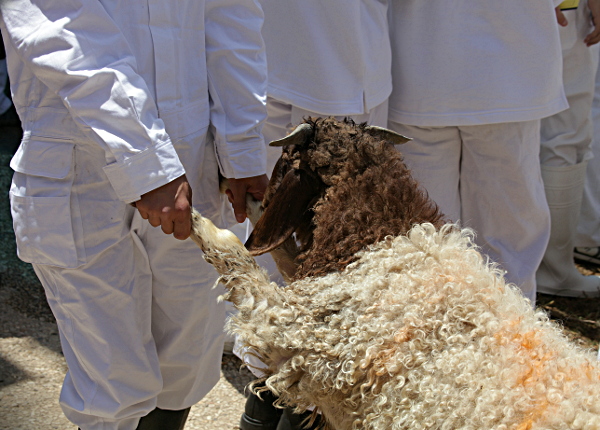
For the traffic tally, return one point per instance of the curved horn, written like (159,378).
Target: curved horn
(386,134)
(297,136)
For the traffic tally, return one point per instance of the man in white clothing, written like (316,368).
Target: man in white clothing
(567,148)
(128,105)
(471,83)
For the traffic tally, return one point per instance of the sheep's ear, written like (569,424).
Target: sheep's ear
(293,198)
(386,134)
(298,136)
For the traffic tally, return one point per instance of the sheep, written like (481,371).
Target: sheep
(412,328)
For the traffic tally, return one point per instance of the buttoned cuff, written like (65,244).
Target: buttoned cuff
(143,172)
(243,161)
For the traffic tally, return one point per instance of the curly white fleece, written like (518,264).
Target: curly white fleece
(420,333)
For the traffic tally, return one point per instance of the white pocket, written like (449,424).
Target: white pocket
(40,198)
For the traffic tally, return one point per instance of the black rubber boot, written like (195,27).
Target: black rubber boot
(161,419)
(292,421)
(259,413)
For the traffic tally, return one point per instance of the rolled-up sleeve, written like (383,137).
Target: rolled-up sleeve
(77,51)
(237,78)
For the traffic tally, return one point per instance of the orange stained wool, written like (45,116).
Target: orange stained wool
(376,377)
(585,372)
(525,425)
(535,356)
(382,359)
(402,335)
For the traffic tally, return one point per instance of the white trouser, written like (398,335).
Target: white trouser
(139,323)
(566,137)
(139,328)
(588,230)
(488,178)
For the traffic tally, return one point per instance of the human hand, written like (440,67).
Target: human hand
(594,36)
(560,17)
(169,207)
(237,190)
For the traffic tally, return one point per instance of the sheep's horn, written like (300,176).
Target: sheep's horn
(297,136)
(386,134)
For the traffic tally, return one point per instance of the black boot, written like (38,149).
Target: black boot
(259,413)
(161,419)
(291,421)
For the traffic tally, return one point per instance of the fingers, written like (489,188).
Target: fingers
(236,203)
(256,194)
(181,227)
(239,203)
(238,188)
(229,195)
(154,220)
(169,207)
(593,37)
(182,231)
(561,18)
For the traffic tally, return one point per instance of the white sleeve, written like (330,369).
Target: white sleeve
(79,53)
(237,79)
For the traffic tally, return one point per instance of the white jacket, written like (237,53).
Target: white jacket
(330,57)
(130,85)
(123,70)
(470,63)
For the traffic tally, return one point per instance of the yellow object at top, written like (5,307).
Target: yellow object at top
(569,4)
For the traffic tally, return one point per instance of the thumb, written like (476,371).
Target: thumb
(561,18)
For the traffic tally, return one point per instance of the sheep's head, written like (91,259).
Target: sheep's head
(339,186)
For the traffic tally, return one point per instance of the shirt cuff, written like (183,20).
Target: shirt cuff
(146,171)
(244,161)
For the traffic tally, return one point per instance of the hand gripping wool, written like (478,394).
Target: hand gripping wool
(413,330)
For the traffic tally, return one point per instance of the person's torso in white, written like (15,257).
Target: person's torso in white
(328,56)
(470,63)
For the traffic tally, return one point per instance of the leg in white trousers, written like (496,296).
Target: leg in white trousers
(147,334)
(588,230)
(488,178)
(565,150)
(557,274)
